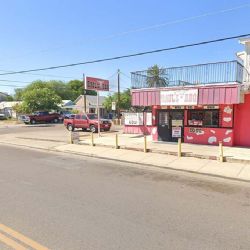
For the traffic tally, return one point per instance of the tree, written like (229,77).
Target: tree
(125,100)
(156,77)
(9,98)
(38,99)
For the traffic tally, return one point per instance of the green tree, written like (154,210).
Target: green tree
(156,77)
(9,98)
(125,100)
(39,99)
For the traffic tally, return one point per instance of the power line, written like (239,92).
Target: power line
(129,55)
(146,28)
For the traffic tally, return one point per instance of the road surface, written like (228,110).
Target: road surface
(57,201)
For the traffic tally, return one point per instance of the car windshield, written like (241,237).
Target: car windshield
(92,116)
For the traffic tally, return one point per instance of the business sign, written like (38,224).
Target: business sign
(176,132)
(97,84)
(179,97)
(133,118)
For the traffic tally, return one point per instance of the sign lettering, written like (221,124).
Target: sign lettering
(179,97)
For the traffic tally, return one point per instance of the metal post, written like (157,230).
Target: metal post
(221,156)
(98,114)
(145,144)
(71,138)
(92,139)
(179,147)
(116,142)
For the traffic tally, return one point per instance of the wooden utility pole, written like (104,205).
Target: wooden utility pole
(118,95)
(84,95)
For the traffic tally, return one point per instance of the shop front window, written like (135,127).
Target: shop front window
(204,118)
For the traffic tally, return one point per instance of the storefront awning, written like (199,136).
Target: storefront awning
(209,95)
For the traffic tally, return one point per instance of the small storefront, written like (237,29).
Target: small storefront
(201,115)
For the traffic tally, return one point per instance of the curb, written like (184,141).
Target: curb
(185,154)
(130,162)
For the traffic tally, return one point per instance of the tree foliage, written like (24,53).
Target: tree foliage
(65,90)
(156,77)
(38,99)
(125,100)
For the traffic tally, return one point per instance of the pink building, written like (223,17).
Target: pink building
(201,104)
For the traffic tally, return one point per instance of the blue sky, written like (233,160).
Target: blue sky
(45,33)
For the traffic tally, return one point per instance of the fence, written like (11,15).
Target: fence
(210,73)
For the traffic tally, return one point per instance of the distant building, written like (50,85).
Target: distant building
(67,104)
(91,102)
(6,108)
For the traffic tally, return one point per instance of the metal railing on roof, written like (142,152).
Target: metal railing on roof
(210,73)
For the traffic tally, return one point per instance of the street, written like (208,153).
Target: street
(74,202)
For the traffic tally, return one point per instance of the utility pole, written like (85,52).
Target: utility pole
(118,95)
(84,94)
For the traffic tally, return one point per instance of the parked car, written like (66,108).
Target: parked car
(3,117)
(41,117)
(65,114)
(87,122)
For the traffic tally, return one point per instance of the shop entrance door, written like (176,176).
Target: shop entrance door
(163,125)
(170,125)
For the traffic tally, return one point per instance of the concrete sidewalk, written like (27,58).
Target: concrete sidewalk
(236,171)
(136,142)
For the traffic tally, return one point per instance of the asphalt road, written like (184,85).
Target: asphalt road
(71,203)
(14,129)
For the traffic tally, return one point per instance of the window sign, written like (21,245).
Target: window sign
(133,119)
(149,119)
(176,132)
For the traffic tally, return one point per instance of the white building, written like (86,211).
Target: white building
(6,108)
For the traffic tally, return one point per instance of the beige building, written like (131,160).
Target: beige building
(91,102)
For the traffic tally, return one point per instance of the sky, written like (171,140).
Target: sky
(37,34)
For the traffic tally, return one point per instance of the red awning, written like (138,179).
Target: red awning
(209,95)
(219,95)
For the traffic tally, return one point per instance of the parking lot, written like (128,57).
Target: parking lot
(46,132)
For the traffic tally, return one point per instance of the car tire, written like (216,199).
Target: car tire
(56,120)
(70,127)
(92,129)
(84,129)
(33,122)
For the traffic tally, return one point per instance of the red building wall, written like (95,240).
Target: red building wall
(242,123)
(209,136)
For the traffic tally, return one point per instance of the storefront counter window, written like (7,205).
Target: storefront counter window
(203,118)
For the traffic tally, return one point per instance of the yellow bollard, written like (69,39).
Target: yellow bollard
(71,138)
(92,139)
(221,156)
(179,147)
(145,144)
(116,142)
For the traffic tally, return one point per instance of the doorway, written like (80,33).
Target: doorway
(170,125)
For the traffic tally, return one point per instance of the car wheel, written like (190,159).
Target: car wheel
(84,129)
(33,122)
(70,127)
(92,129)
(55,120)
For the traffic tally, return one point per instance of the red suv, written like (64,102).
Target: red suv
(85,122)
